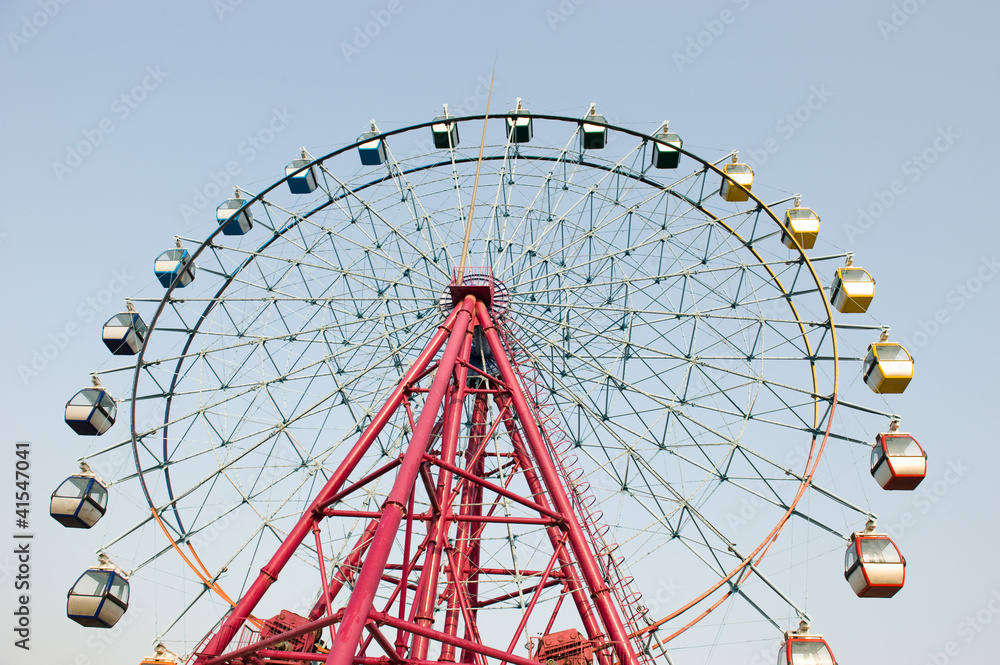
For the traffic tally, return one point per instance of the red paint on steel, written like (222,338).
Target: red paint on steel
(355,614)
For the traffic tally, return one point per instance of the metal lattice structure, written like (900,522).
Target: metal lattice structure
(447,464)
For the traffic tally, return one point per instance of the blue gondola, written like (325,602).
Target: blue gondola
(232,223)
(99,598)
(174,264)
(80,501)
(665,148)
(91,411)
(445,133)
(303,182)
(372,149)
(125,333)
(519,129)
(595,130)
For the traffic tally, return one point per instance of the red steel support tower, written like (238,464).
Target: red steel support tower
(426,569)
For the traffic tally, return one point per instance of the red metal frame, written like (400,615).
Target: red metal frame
(447,461)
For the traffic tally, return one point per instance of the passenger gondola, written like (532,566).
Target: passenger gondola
(873,565)
(100,596)
(372,148)
(92,411)
(445,131)
(888,367)
(853,289)
(898,461)
(302,180)
(595,130)
(804,648)
(736,181)
(125,332)
(519,129)
(666,148)
(234,223)
(80,501)
(174,266)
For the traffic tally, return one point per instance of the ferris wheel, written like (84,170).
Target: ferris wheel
(564,392)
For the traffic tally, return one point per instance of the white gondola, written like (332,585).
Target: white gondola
(802,224)
(873,565)
(174,265)
(92,411)
(666,146)
(852,289)
(888,367)
(735,175)
(445,132)
(125,332)
(372,148)
(80,501)
(898,462)
(234,223)
(302,180)
(519,129)
(804,648)
(595,130)
(100,596)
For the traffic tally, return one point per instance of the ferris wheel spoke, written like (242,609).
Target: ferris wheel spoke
(403,184)
(402,236)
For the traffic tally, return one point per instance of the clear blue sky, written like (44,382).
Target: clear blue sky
(882,113)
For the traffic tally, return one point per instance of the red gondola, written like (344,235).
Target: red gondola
(898,461)
(873,565)
(803,648)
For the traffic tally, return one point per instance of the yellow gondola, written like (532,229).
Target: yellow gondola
(736,174)
(802,224)
(888,366)
(852,289)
